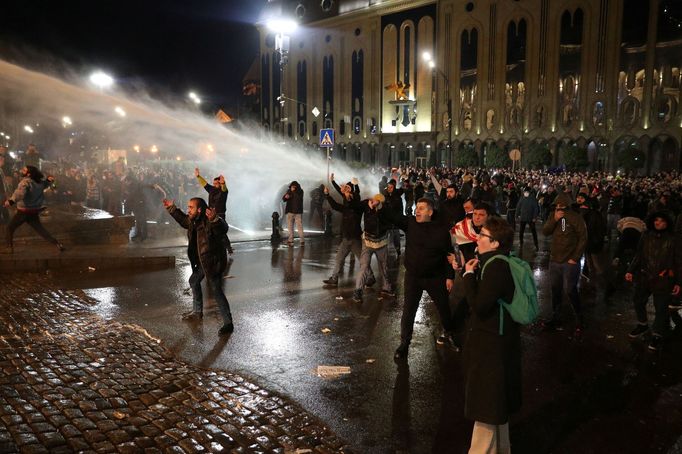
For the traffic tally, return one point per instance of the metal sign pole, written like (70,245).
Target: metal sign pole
(328,159)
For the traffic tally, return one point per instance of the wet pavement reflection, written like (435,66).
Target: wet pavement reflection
(598,392)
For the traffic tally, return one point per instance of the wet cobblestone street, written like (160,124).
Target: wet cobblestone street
(72,381)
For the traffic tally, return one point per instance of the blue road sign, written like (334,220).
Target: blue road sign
(326,137)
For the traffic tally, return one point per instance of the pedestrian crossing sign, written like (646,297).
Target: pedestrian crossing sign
(326,137)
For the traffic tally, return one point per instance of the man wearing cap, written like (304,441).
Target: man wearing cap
(374,241)
(569,238)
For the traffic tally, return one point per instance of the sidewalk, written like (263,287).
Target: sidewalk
(72,381)
(37,255)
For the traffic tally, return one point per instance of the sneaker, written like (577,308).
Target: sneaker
(357,295)
(447,340)
(192,316)
(370,282)
(675,305)
(401,351)
(656,342)
(638,331)
(333,280)
(227,328)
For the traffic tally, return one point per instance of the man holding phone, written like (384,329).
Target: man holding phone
(569,238)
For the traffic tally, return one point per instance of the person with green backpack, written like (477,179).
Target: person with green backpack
(500,290)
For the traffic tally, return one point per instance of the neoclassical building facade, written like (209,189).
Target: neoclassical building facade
(598,77)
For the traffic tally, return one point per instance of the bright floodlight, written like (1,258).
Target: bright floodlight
(67,121)
(426,56)
(119,110)
(195,99)
(282,25)
(154,149)
(101,79)
(432,64)
(28,129)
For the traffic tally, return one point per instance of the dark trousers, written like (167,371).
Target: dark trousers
(414,287)
(522,230)
(511,217)
(662,298)
(32,219)
(215,284)
(564,278)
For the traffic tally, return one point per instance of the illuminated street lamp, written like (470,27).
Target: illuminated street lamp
(119,111)
(154,149)
(194,98)
(66,121)
(28,129)
(282,28)
(428,58)
(101,80)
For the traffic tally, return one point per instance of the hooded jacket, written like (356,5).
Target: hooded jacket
(569,234)
(294,199)
(659,255)
(210,250)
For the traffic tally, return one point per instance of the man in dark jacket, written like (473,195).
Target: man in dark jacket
(656,269)
(351,230)
(596,230)
(294,211)
(527,210)
(426,269)
(217,199)
(394,203)
(569,237)
(205,232)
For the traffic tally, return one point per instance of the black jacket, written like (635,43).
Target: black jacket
(658,260)
(210,250)
(452,211)
(294,199)
(394,201)
(217,199)
(351,216)
(427,246)
(376,224)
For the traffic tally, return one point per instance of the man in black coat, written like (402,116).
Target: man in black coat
(205,232)
(656,270)
(394,203)
(351,230)
(426,269)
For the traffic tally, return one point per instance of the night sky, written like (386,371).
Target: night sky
(171,46)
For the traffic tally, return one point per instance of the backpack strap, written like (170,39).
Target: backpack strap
(500,301)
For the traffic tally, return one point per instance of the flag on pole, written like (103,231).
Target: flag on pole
(222,117)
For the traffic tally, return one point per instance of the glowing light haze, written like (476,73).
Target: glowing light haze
(255,164)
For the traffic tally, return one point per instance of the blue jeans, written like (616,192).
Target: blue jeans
(564,278)
(215,283)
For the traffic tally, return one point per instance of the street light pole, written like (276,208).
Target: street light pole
(432,64)
(282,27)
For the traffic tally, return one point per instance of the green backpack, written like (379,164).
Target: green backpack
(524,307)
